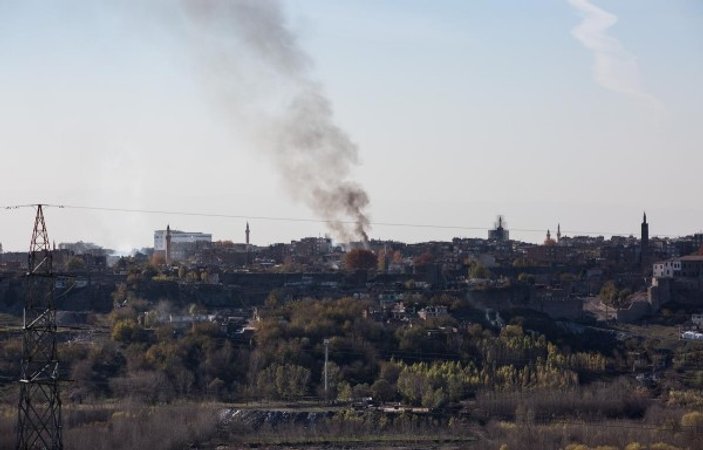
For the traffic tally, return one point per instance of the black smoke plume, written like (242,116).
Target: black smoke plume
(257,70)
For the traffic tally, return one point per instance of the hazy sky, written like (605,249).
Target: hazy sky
(573,111)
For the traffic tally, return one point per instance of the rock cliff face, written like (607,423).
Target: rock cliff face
(93,293)
(183,294)
(87,294)
(558,306)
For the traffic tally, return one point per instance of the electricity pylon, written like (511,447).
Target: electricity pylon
(39,412)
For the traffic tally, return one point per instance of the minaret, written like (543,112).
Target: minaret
(644,242)
(168,244)
(248,248)
(386,258)
(549,236)
(558,232)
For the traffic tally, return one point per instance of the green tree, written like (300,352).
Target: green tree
(521,262)
(344,392)
(609,292)
(274,299)
(149,272)
(75,263)
(433,385)
(477,270)
(125,331)
(120,294)
(286,381)
(567,278)
(526,278)
(611,295)
(195,309)
(382,390)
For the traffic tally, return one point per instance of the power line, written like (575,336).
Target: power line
(313,220)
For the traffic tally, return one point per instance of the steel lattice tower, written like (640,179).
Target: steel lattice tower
(39,412)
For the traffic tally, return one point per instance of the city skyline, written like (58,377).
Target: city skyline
(243,235)
(554,112)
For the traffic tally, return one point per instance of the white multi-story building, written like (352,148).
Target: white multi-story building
(684,267)
(176,245)
(178,237)
(667,269)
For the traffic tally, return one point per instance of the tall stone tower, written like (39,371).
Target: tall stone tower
(168,244)
(247,231)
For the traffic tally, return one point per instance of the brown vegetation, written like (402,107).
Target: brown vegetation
(127,426)
(513,386)
(360,259)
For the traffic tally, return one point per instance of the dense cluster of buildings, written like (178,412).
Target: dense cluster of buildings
(556,277)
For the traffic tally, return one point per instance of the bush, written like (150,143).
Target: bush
(144,386)
(663,446)
(126,331)
(130,427)
(634,446)
(692,424)
(693,420)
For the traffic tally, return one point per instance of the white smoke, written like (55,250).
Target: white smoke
(614,68)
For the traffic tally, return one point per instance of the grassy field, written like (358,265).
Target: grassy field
(125,425)
(368,441)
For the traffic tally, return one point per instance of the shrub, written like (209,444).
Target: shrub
(129,427)
(145,386)
(693,420)
(663,446)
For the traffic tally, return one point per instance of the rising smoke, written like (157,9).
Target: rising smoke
(260,75)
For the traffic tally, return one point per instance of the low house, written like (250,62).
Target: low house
(433,312)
